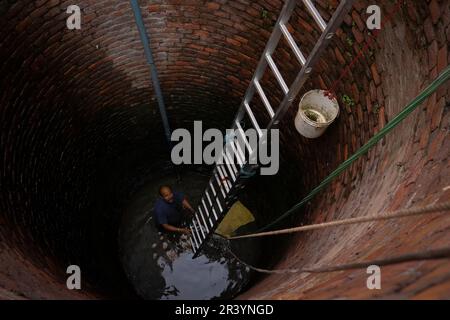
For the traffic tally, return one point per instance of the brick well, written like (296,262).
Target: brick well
(80,133)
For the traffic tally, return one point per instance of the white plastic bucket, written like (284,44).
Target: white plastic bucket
(316,111)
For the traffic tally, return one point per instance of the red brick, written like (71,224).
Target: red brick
(305,26)
(432,54)
(202,34)
(358,35)
(436,143)
(368,104)
(375,75)
(373,91)
(424,137)
(435,11)
(380,95)
(442,59)
(429,30)
(358,21)
(381,119)
(242,40)
(412,12)
(213,6)
(233,42)
(355,93)
(253,12)
(339,56)
(233,61)
(153,7)
(211,50)
(221,14)
(233,79)
(359,112)
(24,24)
(437,113)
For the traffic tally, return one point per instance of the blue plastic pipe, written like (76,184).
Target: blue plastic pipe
(154,74)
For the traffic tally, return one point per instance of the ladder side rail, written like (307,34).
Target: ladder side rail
(322,43)
(227,205)
(272,43)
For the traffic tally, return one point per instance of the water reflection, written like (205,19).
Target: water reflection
(160,266)
(171,273)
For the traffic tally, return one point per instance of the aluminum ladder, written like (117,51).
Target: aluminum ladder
(228,178)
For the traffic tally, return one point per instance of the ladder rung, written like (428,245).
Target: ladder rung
(202,234)
(233,165)
(219,205)
(199,224)
(192,244)
(204,222)
(287,35)
(212,188)
(224,178)
(227,177)
(237,156)
(230,170)
(242,133)
(252,118)
(208,211)
(235,170)
(316,15)
(208,214)
(214,213)
(205,207)
(209,219)
(216,197)
(212,209)
(221,181)
(264,98)
(203,219)
(194,232)
(277,73)
(229,165)
(211,204)
(238,152)
(193,235)
(219,184)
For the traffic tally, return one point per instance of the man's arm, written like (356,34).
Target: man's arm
(161,219)
(171,228)
(187,205)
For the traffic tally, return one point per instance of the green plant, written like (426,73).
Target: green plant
(267,19)
(376,108)
(349,41)
(264,14)
(348,101)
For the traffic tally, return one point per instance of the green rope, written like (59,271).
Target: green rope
(440,79)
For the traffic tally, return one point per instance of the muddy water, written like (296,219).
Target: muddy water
(160,266)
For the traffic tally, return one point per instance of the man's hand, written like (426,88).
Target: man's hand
(171,228)
(185,230)
(187,206)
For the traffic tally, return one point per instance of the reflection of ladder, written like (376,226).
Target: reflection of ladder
(229,177)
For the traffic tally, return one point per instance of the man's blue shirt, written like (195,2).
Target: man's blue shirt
(169,213)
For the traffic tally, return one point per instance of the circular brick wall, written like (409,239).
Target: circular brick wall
(81,133)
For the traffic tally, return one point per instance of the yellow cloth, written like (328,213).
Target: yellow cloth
(237,216)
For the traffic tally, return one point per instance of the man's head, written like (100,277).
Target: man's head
(166,193)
